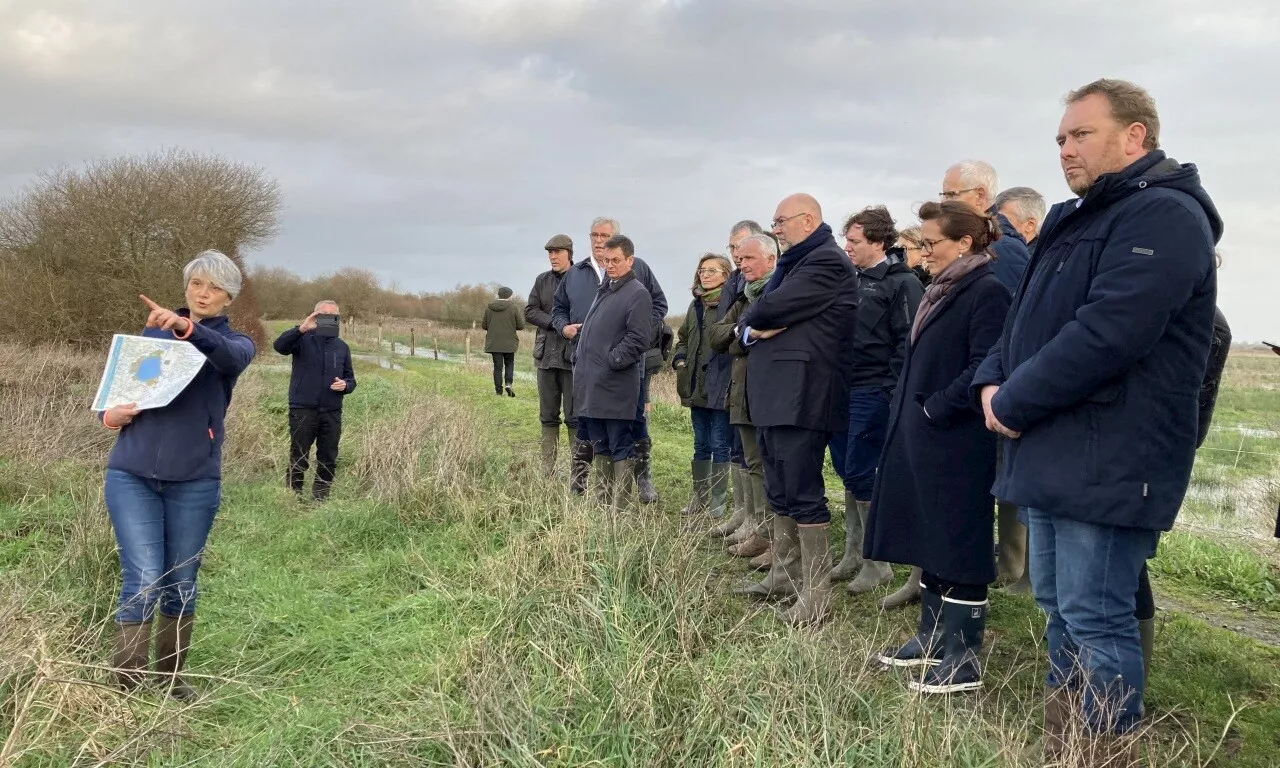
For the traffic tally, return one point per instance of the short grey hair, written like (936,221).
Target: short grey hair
(327,303)
(217,268)
(767,244)
(617,228)
(978,174)
(1026,201)
(748,225)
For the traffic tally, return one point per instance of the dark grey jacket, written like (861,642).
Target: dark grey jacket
(608,360)
(578,290)
(550,349)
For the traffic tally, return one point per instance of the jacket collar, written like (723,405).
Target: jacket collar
(879,271)
(960,287)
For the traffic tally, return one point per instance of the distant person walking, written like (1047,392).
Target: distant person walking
(164,479)
(321,378)
(501,322)
(551,352)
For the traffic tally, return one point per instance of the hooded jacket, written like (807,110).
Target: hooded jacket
(502,319)
(1103,355)
(183,440)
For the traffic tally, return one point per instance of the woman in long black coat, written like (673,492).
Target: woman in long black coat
(933,509)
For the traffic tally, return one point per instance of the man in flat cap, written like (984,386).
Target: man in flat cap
(551,352)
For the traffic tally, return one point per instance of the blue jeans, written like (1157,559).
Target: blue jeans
(710,434)
(161,529)
(855,453)
(1085,579)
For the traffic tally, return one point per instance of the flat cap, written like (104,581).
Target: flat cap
(559,243)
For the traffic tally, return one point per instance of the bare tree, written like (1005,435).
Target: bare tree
(77,246)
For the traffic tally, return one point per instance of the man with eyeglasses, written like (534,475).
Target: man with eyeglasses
(798,374)
(573,300)
(974,183)
(1095,386)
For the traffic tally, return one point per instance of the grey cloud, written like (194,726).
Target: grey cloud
(441,142)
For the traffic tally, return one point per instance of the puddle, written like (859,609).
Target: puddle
(421,353)
(381,362)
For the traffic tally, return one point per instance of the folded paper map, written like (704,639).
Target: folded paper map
(149,372)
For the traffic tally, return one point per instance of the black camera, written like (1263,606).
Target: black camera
(327,325)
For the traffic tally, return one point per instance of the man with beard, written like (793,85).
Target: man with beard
(1095,385)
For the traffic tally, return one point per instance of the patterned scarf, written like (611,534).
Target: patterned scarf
(710,298)
(942,285)
(755,288)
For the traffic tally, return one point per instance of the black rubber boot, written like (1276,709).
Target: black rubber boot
(644,472)
(963,626)
(580,467)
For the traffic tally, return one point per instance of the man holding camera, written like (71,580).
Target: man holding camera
(321,377)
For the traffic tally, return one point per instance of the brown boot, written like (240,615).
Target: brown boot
(873,573)
(173,639)
(763,561)
(606,479)
(624,486)
(814,602)
(550,445)
(754,546)
(1011,564)
(783,579)
(1057,720)
(906,595)
(131,659)
(751,517)
(851,560)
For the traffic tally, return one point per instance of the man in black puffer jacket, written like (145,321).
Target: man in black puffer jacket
(321,378)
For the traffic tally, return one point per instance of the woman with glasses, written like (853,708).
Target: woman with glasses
(935,511)
(164,479)
(702,381)
(911,243)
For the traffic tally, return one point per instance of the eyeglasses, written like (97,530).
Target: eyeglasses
(784,219)
(600,236)
(953,195)
(711,271)
(928,245)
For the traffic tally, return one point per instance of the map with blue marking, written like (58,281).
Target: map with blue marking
(149,372)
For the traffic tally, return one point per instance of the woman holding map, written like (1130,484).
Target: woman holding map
(164,478)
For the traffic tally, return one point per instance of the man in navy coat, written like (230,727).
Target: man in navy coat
(1095,385)
(798,376)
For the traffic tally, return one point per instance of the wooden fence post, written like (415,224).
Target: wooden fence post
(435,346)
(412,343)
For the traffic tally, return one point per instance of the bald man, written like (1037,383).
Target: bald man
(798,375)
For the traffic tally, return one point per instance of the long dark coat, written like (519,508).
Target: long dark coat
(725,341)
(608,362)
(932,505)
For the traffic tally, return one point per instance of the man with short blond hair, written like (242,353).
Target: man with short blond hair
(1095,385)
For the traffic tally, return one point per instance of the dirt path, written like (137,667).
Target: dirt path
(1262,628)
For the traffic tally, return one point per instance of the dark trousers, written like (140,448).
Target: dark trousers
(640,430)
(855,453)
(324,428)
(953,589)
(792,459)
(613,438)
(737,449)
(555,394)
(503,360)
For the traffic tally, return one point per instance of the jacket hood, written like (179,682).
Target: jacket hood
(500,305)
(1157,170)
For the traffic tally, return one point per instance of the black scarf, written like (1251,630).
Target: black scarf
(795,253)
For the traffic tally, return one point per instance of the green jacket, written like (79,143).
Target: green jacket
(724,339)
(502,319)
(689,357)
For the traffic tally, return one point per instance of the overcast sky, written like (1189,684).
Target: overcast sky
(438,143)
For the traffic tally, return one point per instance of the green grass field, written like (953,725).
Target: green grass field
(450,607)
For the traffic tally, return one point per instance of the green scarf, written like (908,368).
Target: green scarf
(756,287)
(710,298)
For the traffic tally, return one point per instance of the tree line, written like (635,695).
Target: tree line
(77,246)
